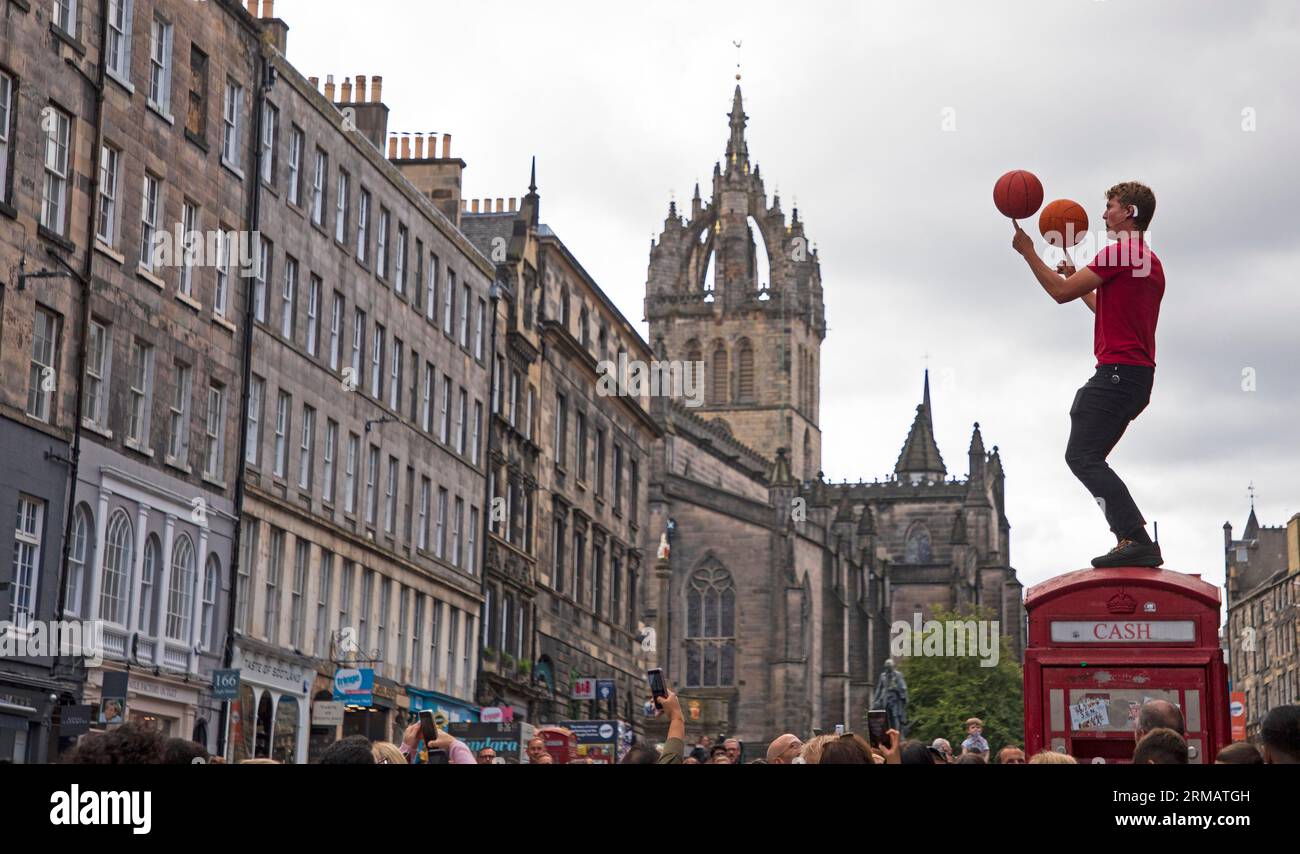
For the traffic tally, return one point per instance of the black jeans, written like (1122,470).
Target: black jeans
(1101,412)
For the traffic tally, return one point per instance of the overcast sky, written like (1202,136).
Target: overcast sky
(624,104)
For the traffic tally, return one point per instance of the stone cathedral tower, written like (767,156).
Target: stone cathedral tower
(736,288)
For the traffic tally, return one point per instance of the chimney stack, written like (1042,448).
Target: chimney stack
(275,30)
(329,88)
(438,178)
(315,82)
(371,116)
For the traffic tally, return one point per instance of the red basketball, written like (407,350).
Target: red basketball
(1063,223)
(1018,194)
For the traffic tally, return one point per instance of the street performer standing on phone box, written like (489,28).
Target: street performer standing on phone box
(1129,282)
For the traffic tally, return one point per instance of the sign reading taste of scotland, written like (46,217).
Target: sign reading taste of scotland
(1123,631)
(354,686)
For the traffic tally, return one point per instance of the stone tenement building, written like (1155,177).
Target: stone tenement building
(773,609)
(363,514)
(1263,572)
(46,142)
(139,343)
(564,555)
(349,342)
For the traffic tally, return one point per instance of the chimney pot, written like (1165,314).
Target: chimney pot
(446,146)
(376,89)
(361,89)
(251,5)
(268,8)
(406,147)
(392,148)
(419,148)
(329,87)
(315,82)
(514,203)
(501,205)
(345,96)
(476,206)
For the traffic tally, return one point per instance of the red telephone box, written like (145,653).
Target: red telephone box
(1104,641)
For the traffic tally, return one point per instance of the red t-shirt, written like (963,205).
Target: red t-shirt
(1128,303)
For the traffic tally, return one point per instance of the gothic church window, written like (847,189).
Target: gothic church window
(710,628)
(918,545)
(718,391)
(745,370)
(694,359)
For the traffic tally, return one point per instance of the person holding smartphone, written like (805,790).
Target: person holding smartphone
(675,744)
(457,751)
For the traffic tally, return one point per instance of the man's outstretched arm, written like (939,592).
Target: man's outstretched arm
(1081,283)
(1066,269)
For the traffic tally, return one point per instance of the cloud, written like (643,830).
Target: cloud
(624,105)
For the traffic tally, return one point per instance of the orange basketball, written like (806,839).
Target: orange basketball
(1018,194)
(1063,223)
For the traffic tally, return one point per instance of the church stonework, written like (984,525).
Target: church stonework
(772,611)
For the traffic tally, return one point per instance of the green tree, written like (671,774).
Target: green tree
(943,691)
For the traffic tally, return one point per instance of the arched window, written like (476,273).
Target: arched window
(243,724)
(564,307)
(180,596)
(745,371)
(709,283)
(718,390)
(584,328)
(284,746)
(694,359)
(147,576)
(710,628)
(265,724)
(918,545)
(211,579)
(119,554)
(81,534)
(808,472)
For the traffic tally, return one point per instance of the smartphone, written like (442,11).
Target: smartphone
(428,728)
(658,687)
(877,724)
(839,730)
(439,757)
